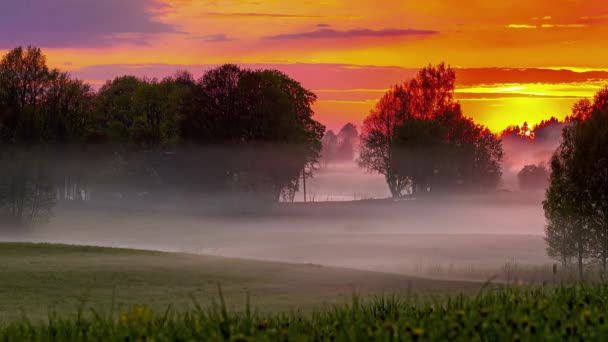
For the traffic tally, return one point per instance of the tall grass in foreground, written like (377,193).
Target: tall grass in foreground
(564,313)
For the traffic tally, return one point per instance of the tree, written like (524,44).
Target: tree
(348,139)
(417,136)
(23,76)
(330,146)
(568,230)
(23,79)
(255,130)
(418,152)
(592,145)
(68,105)
(277,117)
(378,138)
(533,177)
(116,115)
(26,192)
(576,203)
(487,170)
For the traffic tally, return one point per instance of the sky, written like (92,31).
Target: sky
(516,60)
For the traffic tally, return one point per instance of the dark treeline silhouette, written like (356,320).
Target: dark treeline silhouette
(341,147)
(419,139)
(240,131)
(576,205)
(531,145)
(546,130)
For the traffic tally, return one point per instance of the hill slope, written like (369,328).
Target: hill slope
(40,277)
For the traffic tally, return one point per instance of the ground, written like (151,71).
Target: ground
(38,278)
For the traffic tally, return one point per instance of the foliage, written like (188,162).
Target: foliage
(264,120)
(27,195)
(564,313)
(378,135)
(250,132)
(576,204)
(340,147)
(417,137)
(533,177)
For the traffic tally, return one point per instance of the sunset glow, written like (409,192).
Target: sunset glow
(347,51)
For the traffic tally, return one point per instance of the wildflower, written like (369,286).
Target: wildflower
(263,325)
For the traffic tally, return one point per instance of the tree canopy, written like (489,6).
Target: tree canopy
(576,205)
(418,138)
(232,131)
(533,177)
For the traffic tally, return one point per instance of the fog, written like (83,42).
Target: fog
(416,236)
(522,151)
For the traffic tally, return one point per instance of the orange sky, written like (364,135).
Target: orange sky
(348,51)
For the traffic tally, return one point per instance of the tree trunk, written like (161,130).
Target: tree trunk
(604,249)
(580,260)
(392,186)
(304,183)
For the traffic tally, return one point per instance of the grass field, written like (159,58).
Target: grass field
(36,279)
(77,293)
(561,314)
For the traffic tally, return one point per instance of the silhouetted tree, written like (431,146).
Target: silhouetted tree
(592,145)
(25,83)
(348,139)
(576,205)
(264,120)
(378,138)
(330,145)
(533,177)
(249,131)
(418,136)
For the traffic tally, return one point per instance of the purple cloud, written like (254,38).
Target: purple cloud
(80,23)
(212,38)
(356,33)
(262,15)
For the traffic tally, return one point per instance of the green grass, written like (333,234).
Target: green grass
(566,313)
(36,279)
(71,293)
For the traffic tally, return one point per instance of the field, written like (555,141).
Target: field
(306,271)
(565,313)
(37,279)
(61,292)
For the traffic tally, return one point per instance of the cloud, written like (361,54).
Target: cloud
(345,77)
(275,15)
(356,33)
(212,38)
(563,25)
(81,23)
(521,26)
(594,19)
(323,25)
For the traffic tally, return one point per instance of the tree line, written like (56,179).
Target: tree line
(232,130)
(576,204)
(340,147)
(250,133)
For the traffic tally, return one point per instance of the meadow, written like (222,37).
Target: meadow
(509,314)
(42,278)
(84,293)
(315,271)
